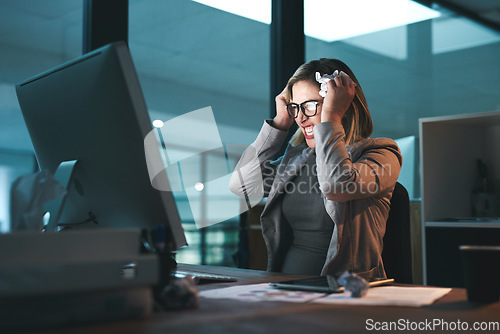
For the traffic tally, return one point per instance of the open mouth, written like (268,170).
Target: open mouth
(308,130)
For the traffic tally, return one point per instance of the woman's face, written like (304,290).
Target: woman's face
(303,91)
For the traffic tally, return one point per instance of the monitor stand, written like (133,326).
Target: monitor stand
(64,174)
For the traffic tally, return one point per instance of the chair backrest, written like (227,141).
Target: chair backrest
(397,239)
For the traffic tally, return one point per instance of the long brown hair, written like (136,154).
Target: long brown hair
(357,121)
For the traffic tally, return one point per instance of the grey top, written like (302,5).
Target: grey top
(311,226)
(356,183)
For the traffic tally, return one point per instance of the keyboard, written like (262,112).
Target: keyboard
(201,278)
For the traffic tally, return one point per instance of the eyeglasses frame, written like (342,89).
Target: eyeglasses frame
(302,108)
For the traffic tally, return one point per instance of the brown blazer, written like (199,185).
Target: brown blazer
(356,184)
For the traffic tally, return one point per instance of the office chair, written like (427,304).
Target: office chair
(397,239)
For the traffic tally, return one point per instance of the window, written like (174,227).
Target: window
(189,56)
(34,36)
(441,66)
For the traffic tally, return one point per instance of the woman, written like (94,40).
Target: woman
(329,194)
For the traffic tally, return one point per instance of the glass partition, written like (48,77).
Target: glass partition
(34,36)
(440,66)
(190,56)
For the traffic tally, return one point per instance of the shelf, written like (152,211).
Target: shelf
(489,224)
(450,147)
(481,119)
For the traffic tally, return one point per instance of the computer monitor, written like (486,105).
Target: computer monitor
(92,110)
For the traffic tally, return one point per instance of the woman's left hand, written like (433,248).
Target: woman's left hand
(340,93)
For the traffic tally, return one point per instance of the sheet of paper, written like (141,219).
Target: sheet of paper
(260,292)
(390,295)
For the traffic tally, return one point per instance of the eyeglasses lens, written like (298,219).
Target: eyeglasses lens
(310,108)
(293,110)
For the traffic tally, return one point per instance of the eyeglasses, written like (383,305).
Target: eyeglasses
(309,108)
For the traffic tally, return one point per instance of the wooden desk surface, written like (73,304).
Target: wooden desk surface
(230,316)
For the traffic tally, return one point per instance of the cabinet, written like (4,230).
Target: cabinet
(450,147)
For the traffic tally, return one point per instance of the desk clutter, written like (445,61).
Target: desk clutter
(260,292)
(383,295)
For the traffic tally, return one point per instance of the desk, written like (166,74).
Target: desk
(229,316)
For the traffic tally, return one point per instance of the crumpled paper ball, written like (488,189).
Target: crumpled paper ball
(180,293)
(356,285)
(323,79)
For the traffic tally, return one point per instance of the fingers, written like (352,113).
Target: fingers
(282,120)
(344,80)
(350,82)
(280,98)
(337,81)
(283,96)
(340,90)
(331,84)
(341,80)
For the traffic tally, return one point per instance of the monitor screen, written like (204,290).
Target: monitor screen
(91,110)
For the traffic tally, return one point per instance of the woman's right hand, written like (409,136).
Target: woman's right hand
(282,120)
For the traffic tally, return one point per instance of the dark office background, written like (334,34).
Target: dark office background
(189,56)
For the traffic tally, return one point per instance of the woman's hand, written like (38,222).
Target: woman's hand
(282,120)
(340,93)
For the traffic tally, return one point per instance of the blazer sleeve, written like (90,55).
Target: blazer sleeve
(375,169)
(254,174)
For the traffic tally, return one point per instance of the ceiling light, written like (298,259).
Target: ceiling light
(158,123)
(258,10)
(336,20)
(330,21)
